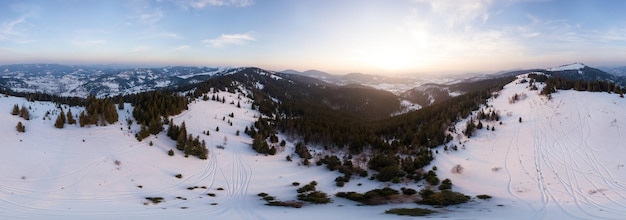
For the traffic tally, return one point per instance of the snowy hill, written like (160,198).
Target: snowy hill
(556,158)
(563,161)
(573,66)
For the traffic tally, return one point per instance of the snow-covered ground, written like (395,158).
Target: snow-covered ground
(564,161)
(573,66)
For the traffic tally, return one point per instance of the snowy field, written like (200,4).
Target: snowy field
(563,161)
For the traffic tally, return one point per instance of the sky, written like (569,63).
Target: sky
(336,36)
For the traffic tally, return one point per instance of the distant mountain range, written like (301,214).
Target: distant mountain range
(80,81)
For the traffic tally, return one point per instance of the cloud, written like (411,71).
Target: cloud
(170,35)
(229,39)
(182,47)
(12,28)
(150,17)
(200,4)
(88,43)
(457,13)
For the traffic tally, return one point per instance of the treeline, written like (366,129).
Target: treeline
(557,83)
(151,110)
(186,142)
(98,112)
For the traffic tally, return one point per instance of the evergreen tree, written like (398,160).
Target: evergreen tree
(70,117)
(181,140)
(82,119)
(16,110)
(59,123)
(120,104)
(24,113)
(20,127)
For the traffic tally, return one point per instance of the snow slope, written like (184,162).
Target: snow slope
(563,161)
(104,172)
(573,66)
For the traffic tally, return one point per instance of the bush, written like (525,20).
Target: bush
(388,173)
(445,185)
(483,196)
(410,212)
(444,198)
(20,127)
(155,200)
(309,194)
(170,152)
(316,197)
(179,176)
(408,191)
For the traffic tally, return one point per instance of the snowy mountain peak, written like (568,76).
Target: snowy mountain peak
(573,66)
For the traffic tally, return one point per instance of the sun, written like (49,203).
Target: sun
(391,60)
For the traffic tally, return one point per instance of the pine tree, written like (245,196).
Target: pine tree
(24,113)
(70,117)
(16,110)
(20,127)
(59,123)
(82,119)
(120,104)
(181,140)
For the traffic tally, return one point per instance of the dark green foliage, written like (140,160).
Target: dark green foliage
(99,112)
(70,117)
(60,121)
(389,173)
(445,184)
(170,152)
(483,197)
(16,110)
(20,127)
(408,191)
(444,198)
(155,200)
(271,201)
(307,187)
(410,211)
(380,161)
(431,178)
(260,145)
(152,107)
(24,113)
(372,197)
(186,142)
(308,193)
(303,151)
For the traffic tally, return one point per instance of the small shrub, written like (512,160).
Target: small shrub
(445,184)
(179,176)
(170,152)
(410,212)
(445,198)
(483,196)
(295,183)
(408,191)
(292,204)
(155,200)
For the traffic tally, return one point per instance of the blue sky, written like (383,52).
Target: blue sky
(338,36)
